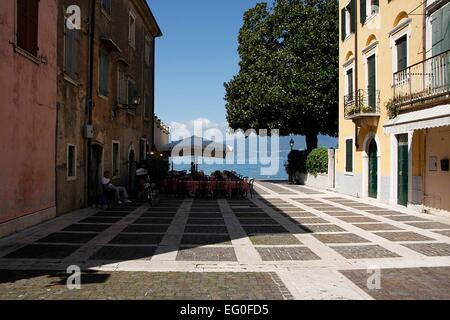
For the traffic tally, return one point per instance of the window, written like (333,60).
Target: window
(440,26)
(350,84)
(71,45)
(27,25)
(148,50)
(122,97)
(71,162)
(142,151)
(349,155)
(132,91)
(132,30)
(348,20)
(372,82)
(147,107)
(106,6)
(368,9)
(104,74)
(116,159)
(402,53)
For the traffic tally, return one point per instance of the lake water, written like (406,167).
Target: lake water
(254,170)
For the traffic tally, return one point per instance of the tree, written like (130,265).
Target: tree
(288,78)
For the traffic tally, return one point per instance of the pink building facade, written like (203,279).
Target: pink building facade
(28,108)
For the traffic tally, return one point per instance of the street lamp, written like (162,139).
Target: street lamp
(292,143)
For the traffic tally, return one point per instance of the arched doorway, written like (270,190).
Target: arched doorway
(373,169)
(132,172)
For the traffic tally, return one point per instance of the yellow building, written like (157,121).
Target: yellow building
(394,119)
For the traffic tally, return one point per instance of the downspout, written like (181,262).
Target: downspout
(356,70)
(153,96)
(89,100)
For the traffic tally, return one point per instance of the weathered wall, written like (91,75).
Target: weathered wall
(27,119)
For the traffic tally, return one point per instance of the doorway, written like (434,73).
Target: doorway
(132,172)
(95,168)
(402,165)
(373,169)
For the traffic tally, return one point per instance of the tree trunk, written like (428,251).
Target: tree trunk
(311,141)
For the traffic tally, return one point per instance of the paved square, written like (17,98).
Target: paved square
(279,254)
(277,250)
(364,252)
(206,254)
(403,236)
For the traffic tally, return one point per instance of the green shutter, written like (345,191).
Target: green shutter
(349,155)
(437,32)
(104,73)
(402,52)
(352,16)
(362,11)
(445,28)
(376,5)
(343,23)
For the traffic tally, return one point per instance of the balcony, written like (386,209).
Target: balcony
(423,84)
(362,107)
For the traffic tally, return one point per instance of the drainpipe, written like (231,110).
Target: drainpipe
(89,100)
(356,69)
(153,95)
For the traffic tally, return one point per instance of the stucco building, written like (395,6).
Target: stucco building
(27,112)
(394,96)
(105,97)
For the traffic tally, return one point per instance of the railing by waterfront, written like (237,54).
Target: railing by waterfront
(424,81)
(361,102)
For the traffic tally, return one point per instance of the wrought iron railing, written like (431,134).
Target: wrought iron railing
(362,102)
(424,81)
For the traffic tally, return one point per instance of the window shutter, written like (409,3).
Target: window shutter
(349,155)
(363,11)
(446,28)
(75,53)
(376,6)
(402,52)
(27,25)
(352,16)
(104,69)
(343,23)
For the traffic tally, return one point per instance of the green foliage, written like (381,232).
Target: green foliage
(393,107)
(296,162)
(317,161)
(157,169)
(288,69)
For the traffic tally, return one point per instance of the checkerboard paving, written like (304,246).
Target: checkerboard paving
(219,244)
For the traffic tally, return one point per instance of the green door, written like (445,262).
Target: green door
(373,169)
(402,180)
(372,83)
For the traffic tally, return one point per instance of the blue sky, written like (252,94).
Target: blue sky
(195,56)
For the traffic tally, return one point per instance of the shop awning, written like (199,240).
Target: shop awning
(438,116)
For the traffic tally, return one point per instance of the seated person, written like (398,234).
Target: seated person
(121,192)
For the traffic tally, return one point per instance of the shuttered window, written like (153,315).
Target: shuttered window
(104,74)
(71,45)
(348,20)
(147,106)
(441,30)
(27,25)
(349,155)
(402,53)
(368,8)
(132,91)
(122,97)
(106,5)
(132,30)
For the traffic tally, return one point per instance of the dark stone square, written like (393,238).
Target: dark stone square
(357,219)
(43,251)
(137,239)
(86,228)
(63,237)
(206,229)
(206,254)
(115,253)
(274,239)
(154,221)
(286,254)
(104,220)
(376,226)
(257,221)
(146,229)
(322,228)
(264,229)
(403,236)
(430,225)
(206,239)
(210,221)
(340,238)
(431,249)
